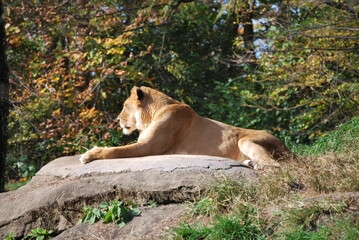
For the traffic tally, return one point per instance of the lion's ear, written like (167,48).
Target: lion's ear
(136,92)
(139,94)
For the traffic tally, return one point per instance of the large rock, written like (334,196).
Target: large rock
(53,199)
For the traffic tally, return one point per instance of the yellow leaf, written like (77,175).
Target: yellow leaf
(23,179)
(41,80)
(104,95)
(116,51)
(56,113)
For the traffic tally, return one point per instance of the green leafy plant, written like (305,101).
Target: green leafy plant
(114,211)
(10,236)
(39,234)
(91,215)
(23,166)
(27,170)
(153,204)
(35,234)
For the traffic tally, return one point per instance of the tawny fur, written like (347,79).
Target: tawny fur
(169,127)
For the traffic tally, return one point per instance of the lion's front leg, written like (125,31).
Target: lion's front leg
(93,154)
(133,150)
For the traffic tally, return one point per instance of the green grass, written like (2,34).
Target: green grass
(337,140)
(220,196)
(241,226)
(15,186)
(272,207)
(346,228)
(293,221)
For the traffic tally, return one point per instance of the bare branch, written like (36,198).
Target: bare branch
(308,27)
(330,36)
(312,49)
(129,30)
(341,6)
(273,108)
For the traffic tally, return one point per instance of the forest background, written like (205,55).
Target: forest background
(290,67)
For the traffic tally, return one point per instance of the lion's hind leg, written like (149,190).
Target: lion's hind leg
(259,156)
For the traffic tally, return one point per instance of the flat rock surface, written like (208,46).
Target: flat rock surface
(70,166)
(53,199)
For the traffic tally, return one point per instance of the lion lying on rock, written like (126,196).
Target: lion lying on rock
(169,127)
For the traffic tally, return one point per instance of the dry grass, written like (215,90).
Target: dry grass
(312,175)
(297,179)
(277,199)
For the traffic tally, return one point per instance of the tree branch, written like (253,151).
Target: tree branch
(330,36)
(312,49)
(308,27)
(341,6)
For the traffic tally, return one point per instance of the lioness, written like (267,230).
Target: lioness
(169,127)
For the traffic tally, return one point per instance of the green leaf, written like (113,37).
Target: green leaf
(92,219)
(125,214)
(84,218)
(108,217)
(119,212)
(96,212)
(121,224)
(135,211)
(40,238)
(104,205)
(153,204)
(10,236)
(116,213)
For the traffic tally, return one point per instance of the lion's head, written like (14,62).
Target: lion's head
(140,108)
(130,114)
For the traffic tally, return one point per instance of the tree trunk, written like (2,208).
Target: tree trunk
(4,99)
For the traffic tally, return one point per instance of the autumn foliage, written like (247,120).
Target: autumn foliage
(290,67)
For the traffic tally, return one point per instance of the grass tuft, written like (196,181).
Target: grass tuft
(240,226)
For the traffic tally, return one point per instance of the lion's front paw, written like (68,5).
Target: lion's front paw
(85,158)
(90,155)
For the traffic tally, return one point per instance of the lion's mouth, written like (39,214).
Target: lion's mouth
(125,126)
(127,130)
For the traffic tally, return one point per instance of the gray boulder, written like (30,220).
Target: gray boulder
(53,199)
